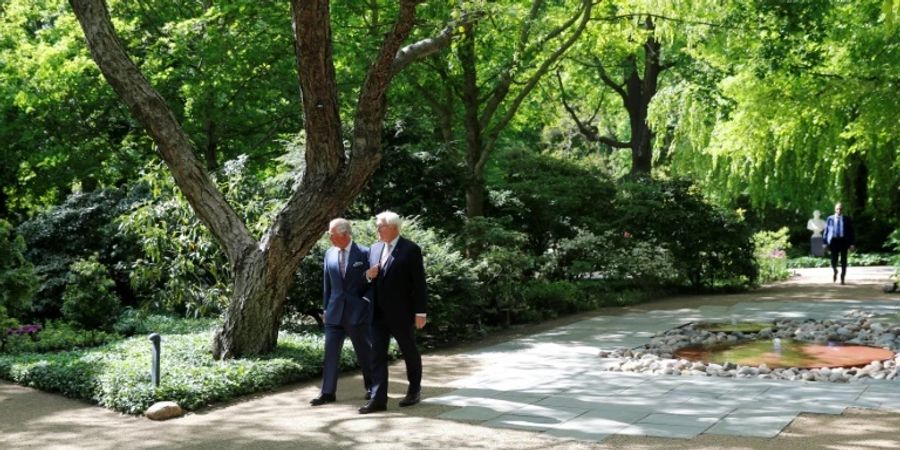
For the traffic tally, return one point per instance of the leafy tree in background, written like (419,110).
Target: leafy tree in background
(798,117)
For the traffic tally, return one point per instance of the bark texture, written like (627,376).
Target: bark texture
(264,269)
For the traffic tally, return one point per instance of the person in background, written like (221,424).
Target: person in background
(839,237)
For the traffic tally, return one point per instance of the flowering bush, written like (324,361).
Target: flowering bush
(770,255)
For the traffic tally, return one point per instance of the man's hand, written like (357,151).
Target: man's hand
(420,322)
(372,273)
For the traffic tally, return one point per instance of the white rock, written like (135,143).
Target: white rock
(163,411)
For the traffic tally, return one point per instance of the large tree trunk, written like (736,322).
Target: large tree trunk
(264,270)
(636,94)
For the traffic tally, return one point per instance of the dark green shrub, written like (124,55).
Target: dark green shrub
(89,299)
(17,278)
(82,225)
(549,198)
(710,247)
(616,257)
(553,298)
(501,266)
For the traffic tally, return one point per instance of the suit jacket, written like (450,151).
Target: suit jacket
(831,230)
(344,298)
(399,289)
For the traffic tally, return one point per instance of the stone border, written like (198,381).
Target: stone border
(857,328)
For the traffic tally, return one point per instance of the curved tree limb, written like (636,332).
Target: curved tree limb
(176,148)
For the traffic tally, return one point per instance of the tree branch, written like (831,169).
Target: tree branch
(494,133)
(149,108)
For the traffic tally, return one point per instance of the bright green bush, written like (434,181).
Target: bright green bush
(117,375)
(770,254)
(180,267)
(89,299)
(17,278)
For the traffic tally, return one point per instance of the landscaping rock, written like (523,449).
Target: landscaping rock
(163,411)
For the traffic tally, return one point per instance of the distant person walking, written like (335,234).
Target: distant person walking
(839,237)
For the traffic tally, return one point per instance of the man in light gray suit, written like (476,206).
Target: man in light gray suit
(348,311)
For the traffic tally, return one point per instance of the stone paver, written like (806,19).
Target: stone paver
(554,383)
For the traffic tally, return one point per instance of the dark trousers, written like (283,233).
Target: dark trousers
(334,342)
(838,248)
(404,334)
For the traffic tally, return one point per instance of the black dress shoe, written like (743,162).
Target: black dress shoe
(371,407)
(322,399)
(411,399)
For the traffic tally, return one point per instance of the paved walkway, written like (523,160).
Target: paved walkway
(554,383)
(543,388)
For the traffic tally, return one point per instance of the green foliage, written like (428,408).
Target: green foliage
(18,281)
(117,375)
(180,267)
(136,321)
(56,336)
(553,298)
(549,197)
(415,177)
(81,226)
(89,300)
(710,247)
(615,257)
(853,259)
(769,254)
(502,264)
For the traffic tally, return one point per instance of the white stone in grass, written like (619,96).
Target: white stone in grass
(163,411)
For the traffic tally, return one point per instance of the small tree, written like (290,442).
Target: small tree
(17,279)
(89,300)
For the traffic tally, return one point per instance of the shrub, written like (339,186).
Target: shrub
(709,246)
(615,257)
(17,278)
(181,268)
(501,267)
(89,299)
(553,298)
(770,254)
(117,375)
(82,225)
(547,198)
(57,336)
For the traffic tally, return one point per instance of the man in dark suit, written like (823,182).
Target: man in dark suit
(397,275)
(347,308)
(839,237)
